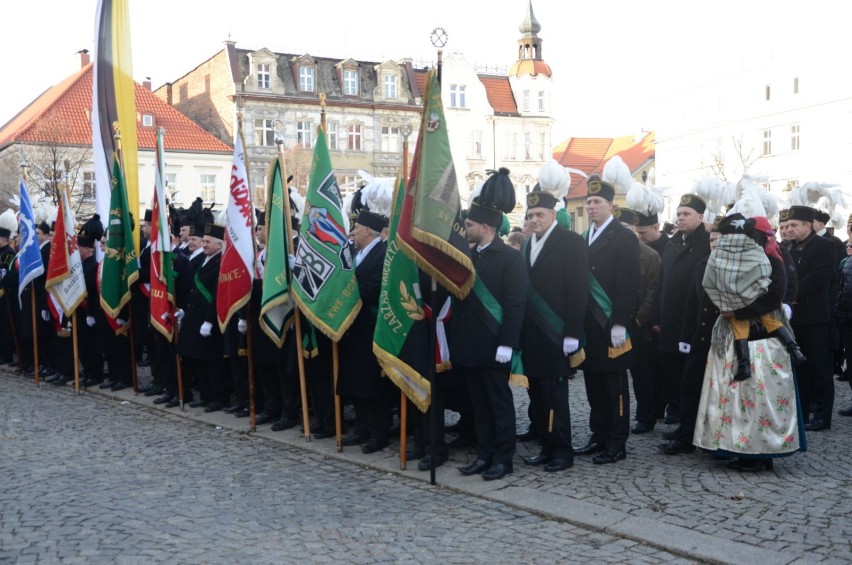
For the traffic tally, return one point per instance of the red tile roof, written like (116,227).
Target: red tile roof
(497,89)
(69,103)
(532,67)
(589,154)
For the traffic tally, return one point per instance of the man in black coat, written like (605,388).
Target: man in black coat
(614,293)
(91,353)
(360,376)
(683,252)
(483,339)
(814,257)
(557,263)
(7,326)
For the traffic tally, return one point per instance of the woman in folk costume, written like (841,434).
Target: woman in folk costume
(749,404)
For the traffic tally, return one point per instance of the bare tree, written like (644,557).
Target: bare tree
(299,160)
(721,166)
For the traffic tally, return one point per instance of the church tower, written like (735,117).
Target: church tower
(530,75)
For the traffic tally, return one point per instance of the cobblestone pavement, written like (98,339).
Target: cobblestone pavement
(650,507)
(90,479)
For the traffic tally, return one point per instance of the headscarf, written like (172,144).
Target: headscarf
(771,248)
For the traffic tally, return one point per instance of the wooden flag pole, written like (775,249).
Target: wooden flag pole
(178,365)
(76,352)
(403,400)
(338,416)
(35,333)
(250,354)
(300,354)
(130,336)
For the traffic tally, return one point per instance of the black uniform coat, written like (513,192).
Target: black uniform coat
(360,375)
(815,268)
(502,271)
(680,257)
(614,262)
(44,327)
(197,311)
(561,277)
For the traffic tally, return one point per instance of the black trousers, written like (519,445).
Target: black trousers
(552,395)
(644,352)
(493,412)
(608,393)
(846,340)
(690,392)
(816,385)
(672,368)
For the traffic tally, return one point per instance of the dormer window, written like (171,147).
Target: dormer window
(350,82)
(390,86)
(263,75)
(147,120)
(306,79)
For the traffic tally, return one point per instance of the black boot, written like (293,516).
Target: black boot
(743,360)
(783,335)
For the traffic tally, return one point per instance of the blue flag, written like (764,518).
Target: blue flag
(30,265)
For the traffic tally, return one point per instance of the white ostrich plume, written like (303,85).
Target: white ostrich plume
(616,173)
(645,199)
(554,178)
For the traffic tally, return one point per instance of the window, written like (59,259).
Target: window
(579,212)
(527,146)
(542,145)
(526,100)
(391,140)
(172,186)
(354,135)
(147,120)
(791,184)
(541,101)
(767,142)
(390,86)
(88,185)
(796,85)
(264,133)
(457,96)
(476,144)
(509,142)
(263,75)
(207,188)
(303,134)
(794,137)
(306,79)
(767,92)
(350,83)
(332,135)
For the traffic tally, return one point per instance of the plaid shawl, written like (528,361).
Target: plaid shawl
(737,272)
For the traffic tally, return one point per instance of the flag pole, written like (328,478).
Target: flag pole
(300,352)
(178,367)
(250,354)
(75,350)
(403,400)
(35,332)
(130,334)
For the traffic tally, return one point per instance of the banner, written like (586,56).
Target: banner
(237,269)
(324,284)
(119,268)
(162,275)
(276,307)
(114,103)
(30,265)
(401,339)
(431,230)
(65,281)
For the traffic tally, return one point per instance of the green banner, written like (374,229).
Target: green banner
(120,267)
(324,284)
(276,307)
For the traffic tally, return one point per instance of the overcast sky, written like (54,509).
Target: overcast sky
(611,60)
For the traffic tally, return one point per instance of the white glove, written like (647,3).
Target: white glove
(504,354)
(45,315)
(119,322)
(90,321)
(683,347)
(179,313)
(787,310)
(206,329)
(570,345)
(291,260)
(242,326)
(618,335)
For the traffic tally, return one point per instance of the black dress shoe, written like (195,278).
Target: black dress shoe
(676,447)
(475,468)
(415,453)
(354,439)
(671,420)
(540,459)
(118,386)
(461,442)
(845,411)
(497,471)
(669,435)
(610,456)
(61,380)
(323,434)
(529,435)
(263,418)
(197,404)
(817,425)
(425,464)
(154,391)
(90,382)
(47,372)
(559,464)
(590,448)
(106,384)
(173,403)
(232,408)
(164,399)
(373,446)
(242,413)
(213,407)
(284,424)
(642,428)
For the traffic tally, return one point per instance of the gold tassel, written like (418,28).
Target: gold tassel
(620,350)
(577,358)
(550,422)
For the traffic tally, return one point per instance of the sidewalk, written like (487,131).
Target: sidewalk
(691,505)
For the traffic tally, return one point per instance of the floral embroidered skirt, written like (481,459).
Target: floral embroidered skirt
(757,417)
